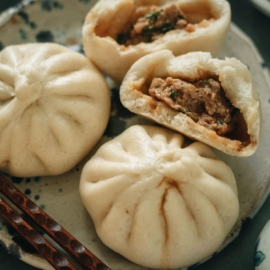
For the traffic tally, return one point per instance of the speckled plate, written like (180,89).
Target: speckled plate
(61,21)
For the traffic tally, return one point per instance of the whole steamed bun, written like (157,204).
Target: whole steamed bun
(54,107)
(158,200)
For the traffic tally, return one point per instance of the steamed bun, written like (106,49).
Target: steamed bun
(210,100)
(54,107)
(130,29)
(157,200)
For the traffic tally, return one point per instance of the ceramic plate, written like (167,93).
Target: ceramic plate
(61,21)
(262,5)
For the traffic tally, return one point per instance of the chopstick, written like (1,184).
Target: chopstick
(44,248)
(71,245)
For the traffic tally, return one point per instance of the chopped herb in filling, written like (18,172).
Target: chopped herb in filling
(204,101)
(151,25)
(153,17)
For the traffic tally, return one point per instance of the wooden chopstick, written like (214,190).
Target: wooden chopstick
(71,245)
(36,240)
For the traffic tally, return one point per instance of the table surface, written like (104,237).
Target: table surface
(239,254)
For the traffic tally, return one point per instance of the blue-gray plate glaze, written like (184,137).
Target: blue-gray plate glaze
(61,21)
(262,249)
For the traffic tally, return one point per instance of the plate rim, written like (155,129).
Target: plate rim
(6,15)
(36,260)
(262,5)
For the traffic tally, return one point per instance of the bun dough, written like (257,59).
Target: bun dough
(54,107)
(235,79)
(156,200)
(108,18)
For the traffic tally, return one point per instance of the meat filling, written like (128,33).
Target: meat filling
(204,101)
(150,23)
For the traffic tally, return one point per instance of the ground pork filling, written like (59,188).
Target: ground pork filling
(204,101)
(148,23)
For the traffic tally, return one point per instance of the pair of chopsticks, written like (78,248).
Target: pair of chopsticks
(71,245)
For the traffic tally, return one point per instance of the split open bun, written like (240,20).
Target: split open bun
(158,201)
(208,22)
(234,78)
(54,107)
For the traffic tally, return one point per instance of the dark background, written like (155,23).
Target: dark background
(239,254)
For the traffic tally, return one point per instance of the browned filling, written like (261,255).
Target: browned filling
(149,23)
(204,101)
